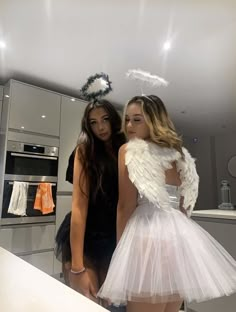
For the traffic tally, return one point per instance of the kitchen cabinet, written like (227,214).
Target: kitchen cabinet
(26,239)
(34,244)
(34,110)
(64,203)
(71,114)
(221,224)
(43,261)
(1,95)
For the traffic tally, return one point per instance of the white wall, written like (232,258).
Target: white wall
(204,152)
(212,154)
(225,147)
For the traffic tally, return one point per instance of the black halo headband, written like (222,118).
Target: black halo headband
(100,93)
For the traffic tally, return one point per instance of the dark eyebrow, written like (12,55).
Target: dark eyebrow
(106,115)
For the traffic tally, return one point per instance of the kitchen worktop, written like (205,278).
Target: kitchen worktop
(25,288)
(215,213)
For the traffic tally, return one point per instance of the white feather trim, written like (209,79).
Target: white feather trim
(147,163)
(142,75)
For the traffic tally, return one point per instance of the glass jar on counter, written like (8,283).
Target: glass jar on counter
(225,196)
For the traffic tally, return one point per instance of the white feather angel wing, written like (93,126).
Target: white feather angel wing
(147,162)
(190,181)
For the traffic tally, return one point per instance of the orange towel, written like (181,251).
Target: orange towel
(43,200)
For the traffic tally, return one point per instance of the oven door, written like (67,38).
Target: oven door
(30,164)
(32,215)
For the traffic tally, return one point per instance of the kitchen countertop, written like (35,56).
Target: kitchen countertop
(215,213)
(24,288)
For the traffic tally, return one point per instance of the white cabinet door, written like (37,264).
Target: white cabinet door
(0,111)
(64,204)
(43,261)
(1,95)
(1,92)
(71,115)
(33,109)
(27,239)
(63,207)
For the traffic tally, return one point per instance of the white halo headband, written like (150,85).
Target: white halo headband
(154,80)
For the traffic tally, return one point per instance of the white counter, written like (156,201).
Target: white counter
(215,213)
(24,288)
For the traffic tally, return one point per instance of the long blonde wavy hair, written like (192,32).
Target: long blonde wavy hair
(162,129)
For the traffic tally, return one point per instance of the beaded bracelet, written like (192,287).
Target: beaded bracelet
(78,272)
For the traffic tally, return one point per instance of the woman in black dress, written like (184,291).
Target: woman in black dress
(95,195)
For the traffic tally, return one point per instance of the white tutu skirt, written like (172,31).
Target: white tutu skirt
(163,256)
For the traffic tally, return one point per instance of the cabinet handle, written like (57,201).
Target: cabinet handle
(34,183)
(34,156)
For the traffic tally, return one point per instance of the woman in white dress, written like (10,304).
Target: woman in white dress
(162,256)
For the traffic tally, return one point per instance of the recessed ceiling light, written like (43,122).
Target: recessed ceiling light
(2,44)
(43,116)
(72,99)
(167,45)
(7,96)
(22,127)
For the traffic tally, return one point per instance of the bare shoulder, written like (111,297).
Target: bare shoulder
(122,149)
(80,150)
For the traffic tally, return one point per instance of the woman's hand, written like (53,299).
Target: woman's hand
(84,285)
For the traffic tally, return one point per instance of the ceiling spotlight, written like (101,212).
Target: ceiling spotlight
(7,96)
(22,127)
(73,100)
(43,116)
(166,45)
(2,44)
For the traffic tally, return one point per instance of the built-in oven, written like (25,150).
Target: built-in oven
(31,159)
(32,165)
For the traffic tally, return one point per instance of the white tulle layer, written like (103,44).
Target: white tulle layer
(163,256)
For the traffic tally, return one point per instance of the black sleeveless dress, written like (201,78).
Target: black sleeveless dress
(100,234)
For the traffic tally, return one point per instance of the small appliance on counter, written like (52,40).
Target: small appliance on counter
(225,196)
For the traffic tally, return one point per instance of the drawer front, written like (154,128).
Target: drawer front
(43,261)
(27,239)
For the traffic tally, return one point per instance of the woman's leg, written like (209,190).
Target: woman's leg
(92,271)
(66,266)
(157,307)
(102,273)
(173,306)
(145,307)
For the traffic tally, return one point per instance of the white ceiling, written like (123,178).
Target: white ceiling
(58,44)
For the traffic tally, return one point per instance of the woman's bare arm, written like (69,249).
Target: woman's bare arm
(127,194)
(79,215)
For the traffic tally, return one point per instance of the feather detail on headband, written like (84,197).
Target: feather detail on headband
(154,80)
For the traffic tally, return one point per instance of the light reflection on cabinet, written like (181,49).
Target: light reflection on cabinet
(71,116)
(34,109)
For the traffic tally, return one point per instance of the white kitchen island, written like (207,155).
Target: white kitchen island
(221,224)
(24,288)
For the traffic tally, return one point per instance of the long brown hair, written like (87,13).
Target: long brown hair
(162,129)
(93,155)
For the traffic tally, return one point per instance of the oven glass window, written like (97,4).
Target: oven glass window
(19,165)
